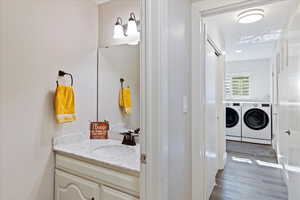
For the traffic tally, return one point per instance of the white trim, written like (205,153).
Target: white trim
(224,160)
(256,141)
(233,138)
(197,86)
(142,139)
(154,96)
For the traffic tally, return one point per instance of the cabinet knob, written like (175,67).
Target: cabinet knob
(92,198)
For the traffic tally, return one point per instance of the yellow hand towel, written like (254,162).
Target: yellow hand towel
(125,100)
(64,104)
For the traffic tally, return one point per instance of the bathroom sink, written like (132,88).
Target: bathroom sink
(109,152)
(114,150)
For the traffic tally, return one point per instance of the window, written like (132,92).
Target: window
(237,86)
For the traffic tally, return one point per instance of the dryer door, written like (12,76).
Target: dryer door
(256,119)
(232,117)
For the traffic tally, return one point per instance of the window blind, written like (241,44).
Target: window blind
(237,86)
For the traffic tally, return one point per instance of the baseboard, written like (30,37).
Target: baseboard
(224,160)
(284,171)
(256,141)
(233,138)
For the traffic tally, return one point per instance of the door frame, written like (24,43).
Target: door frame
(154,97)
(199,11)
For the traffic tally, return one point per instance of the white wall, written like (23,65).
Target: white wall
(260,77)
(114,63)
(178,79)
(37,38)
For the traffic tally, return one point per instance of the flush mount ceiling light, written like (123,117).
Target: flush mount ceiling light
(118,29)
(251,16)
(132,25)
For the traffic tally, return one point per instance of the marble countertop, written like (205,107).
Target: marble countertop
(108,152)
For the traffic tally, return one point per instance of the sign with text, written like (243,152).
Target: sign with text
(99,130)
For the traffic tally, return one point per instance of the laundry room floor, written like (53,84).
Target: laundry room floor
(251,173)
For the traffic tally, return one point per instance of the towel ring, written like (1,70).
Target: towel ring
(62,74)
(122,82)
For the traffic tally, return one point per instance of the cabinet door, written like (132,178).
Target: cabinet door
(111,194)
(69,187)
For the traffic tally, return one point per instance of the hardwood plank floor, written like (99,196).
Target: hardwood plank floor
(251,173)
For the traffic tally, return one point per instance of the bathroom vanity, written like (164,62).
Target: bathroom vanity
(95,169)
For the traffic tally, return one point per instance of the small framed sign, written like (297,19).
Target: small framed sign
(99,130)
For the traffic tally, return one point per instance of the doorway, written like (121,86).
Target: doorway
(249,105)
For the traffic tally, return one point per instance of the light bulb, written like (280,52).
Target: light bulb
(134,40)
(118,29)
(132,26)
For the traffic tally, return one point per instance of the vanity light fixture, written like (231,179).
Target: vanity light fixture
(251,16)
(128,31)
(118,29)
(132,25)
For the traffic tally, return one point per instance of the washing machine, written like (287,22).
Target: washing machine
(233,120)
(257,123)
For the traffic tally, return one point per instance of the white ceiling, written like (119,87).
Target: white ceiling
(256,40)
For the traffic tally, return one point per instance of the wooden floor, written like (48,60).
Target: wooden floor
(251,173)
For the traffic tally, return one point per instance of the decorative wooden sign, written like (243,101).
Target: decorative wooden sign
(99,130)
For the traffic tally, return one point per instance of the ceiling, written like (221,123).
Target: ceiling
(256,40)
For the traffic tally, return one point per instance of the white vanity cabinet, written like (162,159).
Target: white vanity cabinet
(111,194)
(69,187)
(80,179)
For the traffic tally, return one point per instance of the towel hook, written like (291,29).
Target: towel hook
(62,74)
